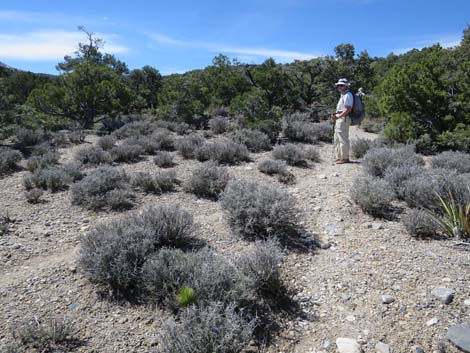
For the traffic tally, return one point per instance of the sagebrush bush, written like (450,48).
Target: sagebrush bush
(164,139)
(219,124)
(216,328)
(164,159)
(187,145)
(291,154)
(42,161)
(259,211)
(322,131)
(34,195)
(212,277)
(106,142)
(223,151)
(377,160)
(9,160)
(312,154)
(27,138)
(396,176)
(76,137)
(135,129)
(254,140)
(93,155)
(126,153)
(5,221)
(99,190)
(47,336)
(373,195)
(360,146)
(113,253)
(458,161)
(208,180)
(261,264)
(418,223)
(421,190)
(159,183)
(298,128)
(182,128)
(51,178)
(271,167)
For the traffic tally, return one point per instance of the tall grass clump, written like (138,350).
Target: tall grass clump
(259,211)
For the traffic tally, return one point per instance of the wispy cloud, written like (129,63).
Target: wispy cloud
(278,54)
(48,45)
(445,40)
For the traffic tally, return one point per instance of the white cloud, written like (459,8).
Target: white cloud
(446,41)
(49,45)
(280,55)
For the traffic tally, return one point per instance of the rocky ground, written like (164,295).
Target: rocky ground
(370,282)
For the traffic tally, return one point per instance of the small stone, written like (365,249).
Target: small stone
(348,345)
(322,176)
(467,302)
(432,322)
(73,306)
(419,350)
(387,299)
(317,208)
(459,335)
(377,226)
(381,347)
(327,345)
(350,318)
(445,295)
(325,246)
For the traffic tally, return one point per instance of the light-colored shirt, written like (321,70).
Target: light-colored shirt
(346,99)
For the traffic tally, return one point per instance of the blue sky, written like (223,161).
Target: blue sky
(177,35)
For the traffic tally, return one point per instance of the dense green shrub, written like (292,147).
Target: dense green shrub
(259,211)
(93,155)
(420,224)
(159,183)
(113,253)
(187,145)
(377,160)
(105,187)
(254,140)
(223,151)
(9,160)
(219,124)
(164,159)
(216,328)
(292,154)
(208,180)
(458,161)
(373,195)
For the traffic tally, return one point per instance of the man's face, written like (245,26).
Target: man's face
(342,88)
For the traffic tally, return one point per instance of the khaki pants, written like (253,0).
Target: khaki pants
(341,138)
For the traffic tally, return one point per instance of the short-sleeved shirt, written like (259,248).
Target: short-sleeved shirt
(346,99)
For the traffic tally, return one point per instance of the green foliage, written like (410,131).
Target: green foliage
(401,128)
(186,296)
(454,220)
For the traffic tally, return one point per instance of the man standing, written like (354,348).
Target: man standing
(342,121)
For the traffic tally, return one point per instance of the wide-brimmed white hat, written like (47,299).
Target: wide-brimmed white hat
(342,81)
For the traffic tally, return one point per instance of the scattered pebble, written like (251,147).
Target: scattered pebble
(387,299)
(445,295)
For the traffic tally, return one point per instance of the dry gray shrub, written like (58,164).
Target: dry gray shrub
(254,140)
(223,151)
(219,124)
(187,145)
(208,180)
(458,161)
(292,154)
(93,155)
(418,223)
(373,195)
(9,160)
(377,160)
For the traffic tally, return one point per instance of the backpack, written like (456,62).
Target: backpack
(357,113)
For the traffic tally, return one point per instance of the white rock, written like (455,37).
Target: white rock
(381,347)
(350,318)
(467,302)
(445,295)
(348,345)
(387,299)
(432,322)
